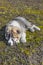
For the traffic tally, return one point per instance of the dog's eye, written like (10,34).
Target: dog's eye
(18,31)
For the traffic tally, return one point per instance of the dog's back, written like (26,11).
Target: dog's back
(23,22)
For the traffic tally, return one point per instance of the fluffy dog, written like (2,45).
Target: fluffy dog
(15,30)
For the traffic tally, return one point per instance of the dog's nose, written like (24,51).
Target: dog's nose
(10,42)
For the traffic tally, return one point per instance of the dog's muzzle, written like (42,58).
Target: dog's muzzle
(11,41)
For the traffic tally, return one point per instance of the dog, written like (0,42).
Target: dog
(15,31)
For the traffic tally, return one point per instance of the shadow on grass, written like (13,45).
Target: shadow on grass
(2,34)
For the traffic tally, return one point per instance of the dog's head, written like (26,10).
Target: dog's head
(12,34)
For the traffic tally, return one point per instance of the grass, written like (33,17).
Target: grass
(20,53)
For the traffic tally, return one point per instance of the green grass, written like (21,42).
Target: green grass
(9,12)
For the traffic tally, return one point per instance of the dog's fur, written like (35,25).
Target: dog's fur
(15,31)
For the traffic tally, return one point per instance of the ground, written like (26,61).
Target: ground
(30,53)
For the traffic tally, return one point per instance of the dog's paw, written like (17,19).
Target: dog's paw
(34,28)
(23,40)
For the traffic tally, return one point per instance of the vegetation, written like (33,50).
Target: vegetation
(29,53)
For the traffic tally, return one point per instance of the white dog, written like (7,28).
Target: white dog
(15,30)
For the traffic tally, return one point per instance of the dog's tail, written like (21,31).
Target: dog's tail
(28,24)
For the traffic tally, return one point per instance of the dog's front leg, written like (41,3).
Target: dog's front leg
(23,37)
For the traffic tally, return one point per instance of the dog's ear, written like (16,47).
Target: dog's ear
(8,29)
